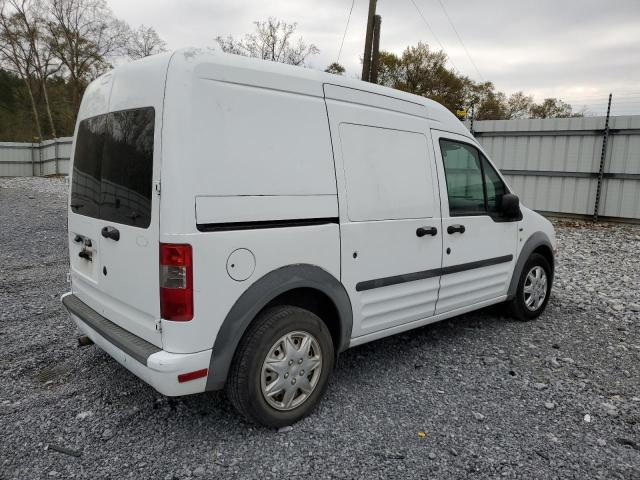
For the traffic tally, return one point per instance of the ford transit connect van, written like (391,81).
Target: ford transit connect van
(235,223)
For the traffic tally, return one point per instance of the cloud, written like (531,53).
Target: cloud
(578,50)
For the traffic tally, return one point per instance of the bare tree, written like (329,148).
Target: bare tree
(273,40)
(31,22)
(84,35)
(16,55)
(144,42)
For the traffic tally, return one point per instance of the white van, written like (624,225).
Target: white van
(237,223)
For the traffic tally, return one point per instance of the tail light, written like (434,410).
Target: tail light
(176,282)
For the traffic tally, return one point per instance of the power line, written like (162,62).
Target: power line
(460,38)
(345,31)
(617,102)
(633,93)
(432,32)
(600,100)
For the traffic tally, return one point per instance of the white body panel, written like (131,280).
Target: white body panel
(483,239)
(258,208)
(424,321)
(216,292)
(531,223)
(240,142)
(375,150)
(233,129)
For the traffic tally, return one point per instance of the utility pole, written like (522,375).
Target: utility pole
(366,60)
(375,55)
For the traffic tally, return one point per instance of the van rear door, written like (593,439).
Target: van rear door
(113,203)
(113,219)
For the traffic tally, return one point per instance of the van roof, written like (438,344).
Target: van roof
(267,74)
(222,67)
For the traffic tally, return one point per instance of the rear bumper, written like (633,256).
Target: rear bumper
(158,368)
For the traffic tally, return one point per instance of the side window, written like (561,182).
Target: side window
(463,172)
(494,185)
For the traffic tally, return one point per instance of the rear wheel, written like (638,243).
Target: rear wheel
(281,367)
(534,288)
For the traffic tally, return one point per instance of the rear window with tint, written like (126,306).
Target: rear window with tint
(112,167)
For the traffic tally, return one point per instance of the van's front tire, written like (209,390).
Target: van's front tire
(534,289)
(281,367)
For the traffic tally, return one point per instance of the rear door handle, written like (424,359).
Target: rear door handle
(111,232)
(451,229)
(422,231)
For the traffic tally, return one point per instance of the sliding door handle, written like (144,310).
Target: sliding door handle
(422,231)
(451,229)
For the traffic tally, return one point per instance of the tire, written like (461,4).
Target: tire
(521,307)
(247,380)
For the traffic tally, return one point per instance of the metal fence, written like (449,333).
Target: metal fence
(50,157)
(555,165)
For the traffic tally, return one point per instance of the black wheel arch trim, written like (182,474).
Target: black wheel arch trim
(536,240)
(258,295)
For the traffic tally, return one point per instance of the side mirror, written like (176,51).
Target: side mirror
(510,207)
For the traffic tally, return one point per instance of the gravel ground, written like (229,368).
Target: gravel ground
(481,396)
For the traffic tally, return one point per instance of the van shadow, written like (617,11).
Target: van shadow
(399,351)
(435,337)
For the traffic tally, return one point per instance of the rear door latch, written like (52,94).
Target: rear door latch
(86,254)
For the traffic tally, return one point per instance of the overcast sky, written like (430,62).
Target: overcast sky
(578,50)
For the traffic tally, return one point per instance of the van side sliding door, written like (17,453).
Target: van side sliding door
(391,233)
(479,247)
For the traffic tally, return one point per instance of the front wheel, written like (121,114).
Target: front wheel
(281,367)
(534,289)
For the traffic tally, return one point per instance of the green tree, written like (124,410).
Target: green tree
(518,106)
(16,114)
(388,68)
(335,68)
(487,103)
(421,71)
(551,108)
